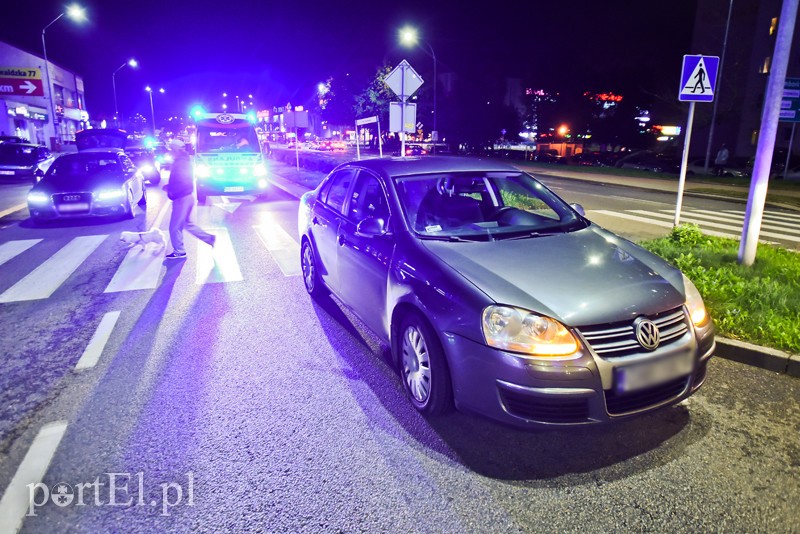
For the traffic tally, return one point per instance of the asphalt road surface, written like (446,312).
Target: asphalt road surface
(219,397)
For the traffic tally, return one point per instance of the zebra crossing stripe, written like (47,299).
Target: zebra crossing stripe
(655,222)
(769,220)
(47,277)
(140,269)
(689,219)
(283,249)
(217,264)
(15,248)
(783,214)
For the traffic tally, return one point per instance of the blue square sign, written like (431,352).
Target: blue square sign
(698,78)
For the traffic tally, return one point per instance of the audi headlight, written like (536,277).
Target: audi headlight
(37,197)
(109,194)
(202,171)
(694,302)
(535,335)
(259,170)
(147,168)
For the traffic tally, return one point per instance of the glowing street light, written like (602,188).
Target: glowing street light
(78,14)
(409,38)
(152,110)
(132,63)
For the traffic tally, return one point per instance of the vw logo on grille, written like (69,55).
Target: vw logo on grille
(225,118)
(71,198)
(647,333)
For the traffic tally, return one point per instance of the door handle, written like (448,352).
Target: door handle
(340,239)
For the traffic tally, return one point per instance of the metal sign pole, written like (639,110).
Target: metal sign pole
(789,151)
(684,160)
(380,144)
(403,113)
(296,143)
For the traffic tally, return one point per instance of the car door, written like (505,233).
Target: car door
(325,220)
(364,260)
(133,176)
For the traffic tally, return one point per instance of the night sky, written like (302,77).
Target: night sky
(279,51)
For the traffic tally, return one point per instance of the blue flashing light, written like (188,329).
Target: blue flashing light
(149,142)
(198,112)
(251,116)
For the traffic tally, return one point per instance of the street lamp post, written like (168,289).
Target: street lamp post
(409,37)
(131,63)
(76,13)
(152,110)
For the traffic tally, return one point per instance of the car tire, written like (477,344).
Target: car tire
(423,368)
(310,270)
(129,209)
(143,200)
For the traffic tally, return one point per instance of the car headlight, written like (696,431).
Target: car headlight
(202,171)
(167,158)
(259,170)
(147,168)
(694,302)
(37,197)
(535,335)
(109,194)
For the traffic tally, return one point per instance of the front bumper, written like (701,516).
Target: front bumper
(232,183)
(534,393)
(86,207)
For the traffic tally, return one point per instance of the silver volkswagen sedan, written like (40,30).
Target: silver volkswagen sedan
(498,297)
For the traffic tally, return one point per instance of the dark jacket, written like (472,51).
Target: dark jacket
(181,178)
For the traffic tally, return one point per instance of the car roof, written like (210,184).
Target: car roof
(92,152)
(398,166)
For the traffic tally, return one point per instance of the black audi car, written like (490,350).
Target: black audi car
(100,182)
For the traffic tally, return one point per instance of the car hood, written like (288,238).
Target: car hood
(580,278)
(79,183)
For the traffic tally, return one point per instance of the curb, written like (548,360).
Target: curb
(747,353)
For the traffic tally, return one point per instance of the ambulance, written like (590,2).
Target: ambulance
(228,158)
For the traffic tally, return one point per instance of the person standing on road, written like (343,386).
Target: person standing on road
(721,160)
(180,190)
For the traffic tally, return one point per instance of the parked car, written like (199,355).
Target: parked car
(549,156)
(650,162)
(86,184)
(24,161)
(496,295)
(11,139)
(735,167)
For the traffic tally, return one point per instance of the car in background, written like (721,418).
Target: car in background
(496,295)
(735,167)
(163,156)
(549,156)
(650,162)
(92,183)
(144,157)
(11,139)
(24,161)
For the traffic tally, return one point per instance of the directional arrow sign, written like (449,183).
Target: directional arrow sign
(404,80)
(18,87)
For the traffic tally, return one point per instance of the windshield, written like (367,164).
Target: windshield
(227,139)
(483,205)
(83,164)
(19,154)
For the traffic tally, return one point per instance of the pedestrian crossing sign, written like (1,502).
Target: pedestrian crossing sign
(698,78)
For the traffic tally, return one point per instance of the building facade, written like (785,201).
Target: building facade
(742,84)
(25,108)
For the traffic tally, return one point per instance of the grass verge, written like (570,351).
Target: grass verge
(758,304)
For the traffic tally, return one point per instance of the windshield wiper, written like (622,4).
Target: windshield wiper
(523,235)
(451,238)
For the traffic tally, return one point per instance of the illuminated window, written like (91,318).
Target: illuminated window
(754,137)
(765,67)
(773,25)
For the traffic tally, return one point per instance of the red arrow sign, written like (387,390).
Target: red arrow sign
(18,87)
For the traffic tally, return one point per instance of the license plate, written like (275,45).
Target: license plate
(77,206)
(647,374)
(10,173)
(234,189)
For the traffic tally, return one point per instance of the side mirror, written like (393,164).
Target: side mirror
(371,227)
(579,209)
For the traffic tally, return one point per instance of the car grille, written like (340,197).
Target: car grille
(563,409)
(619,339)
(629,402)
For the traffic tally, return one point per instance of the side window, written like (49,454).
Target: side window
(340,184)
(367,199)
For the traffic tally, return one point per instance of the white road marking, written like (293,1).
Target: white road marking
(217,264)
(769,220)
(688,218)
(14,248)
(47,277)
(98,342)
(161,214)
(17,498)
(13,209)
(140,269)
(284,250)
